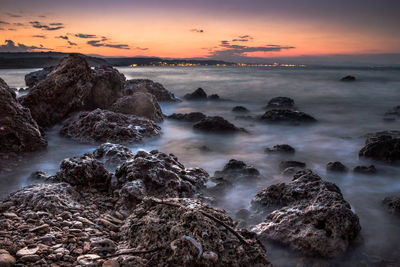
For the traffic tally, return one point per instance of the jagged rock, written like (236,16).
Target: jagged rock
(213,97)
(148,86)
(348,78)
(308,214)
(199,94)
(183,234)
(139,104)
(240,109)
(112,155)
(285,149)
(215,124)
(33,78)
(280,102)
(382,146)
(73,86)
(107,126)
(286,116)
(365,169)
(18,131)
(392,204)
(238,171)
(188,117)
(336,166)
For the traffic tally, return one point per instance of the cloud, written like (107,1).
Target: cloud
(141,48)
(10,46)
(1,29)
(13,15)
(62,37)
(85,36)
(71,43)
(42,16)
(38,25)
(12,29)
(4,22)
(39,36)
(56,24)
(242,38)
(18,24)
(197,30)
(97,43)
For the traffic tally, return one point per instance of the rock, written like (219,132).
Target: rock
(111,263)
(392,204)
(112,155)
(365,169)
(280,102)
(286,116)
(284,149)
(199,94)
(392,114)
(213,97)
(187,117)
(382,146)
(33,78)
(30,258)
(41,229)
(148,86)
(243,214)
(308,214)
(291,163)
(240,109)
(139,104)
(18,131)
(215,124)
(6,260)
(238,171)
(38,176)
(348,78)
(102,245)
(336,166)
(31,250)
(107,126)
(88,260)
(187,236)
(73,86)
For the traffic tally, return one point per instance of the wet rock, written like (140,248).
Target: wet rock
(213,97)
(291,163)
(139,104)
(199,94)
(392,114)
(283,149)
(336,166)
(107,126)
(280,102)
(240,109)
(112,155)
(33,78)
(183,234)
(38,176)
(238,171)
(215,124)
(392,204)
(73,86)
(148,86)
(348,78)
(308,214)
(18,131)
(6,260)
(365,169)
(286,116)
(382,146)
(187,117)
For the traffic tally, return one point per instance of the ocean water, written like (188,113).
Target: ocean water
(345,113)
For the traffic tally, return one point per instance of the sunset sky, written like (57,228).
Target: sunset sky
(229,30)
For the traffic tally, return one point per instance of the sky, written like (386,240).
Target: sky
(232,30)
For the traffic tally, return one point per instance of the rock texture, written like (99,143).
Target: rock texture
(286,116)
(308,214)
(139,104)
(148,86)
(187,117)
(18,131)
(33,78)
(280,102)
(382,146)
(112,155)
(215,124)
(107,126)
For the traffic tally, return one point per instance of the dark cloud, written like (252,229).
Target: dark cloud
(18,24)
(97,43)
(197,30)
(42,16)
(62,37)
(141,48)
(13,15)
(56,24)
(39,36)
(71,43)
(242,38)
(12,29)
(38,25)
(85,36)
(4,22)
(10,46)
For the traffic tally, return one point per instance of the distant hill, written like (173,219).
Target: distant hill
(146,61)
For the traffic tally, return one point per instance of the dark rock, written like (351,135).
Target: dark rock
(199,94)
(213,97)
(38,176)
(107,126)
(112,155)
(286,149)
(348,78)
(18,131)
(188,117)
(237,171)
(148,86)
(280,102)
(33,78)
(139,104)
(291,163)
(392,114)
(392,204)
(308,214)
(365,169)
(286,116)
(240,109)
(382,146)
(215,124)
(336,166)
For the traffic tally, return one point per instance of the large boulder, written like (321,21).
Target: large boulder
(187,232)
(187,117)
(215,124)
(107,126)
(148,86)
(199,94)
(139,104)
(382,146)
(33,78)
(280,102)
(308,214)
(18,131)
(72,86)
(286,116)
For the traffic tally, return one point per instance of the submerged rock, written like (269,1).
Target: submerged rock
(214,97)
(284,149)
(215,124)
(336,166)
(392,204)
(187,117)
(291,163)
(199,94)
(286,116)
(308,214)
(240,109)
(139,104)
(107,126)
(33,78)
(148,86)
(382,146)
(365,169)
(112,155)
(18,131)
(280,102)
(348,78)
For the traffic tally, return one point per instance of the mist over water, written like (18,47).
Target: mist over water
(345,113)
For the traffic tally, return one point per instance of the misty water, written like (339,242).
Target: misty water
(345,113)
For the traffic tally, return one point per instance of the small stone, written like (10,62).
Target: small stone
(42,229)
(30,258)
(6,260)
(30,250)
(88,259)
(111,263)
